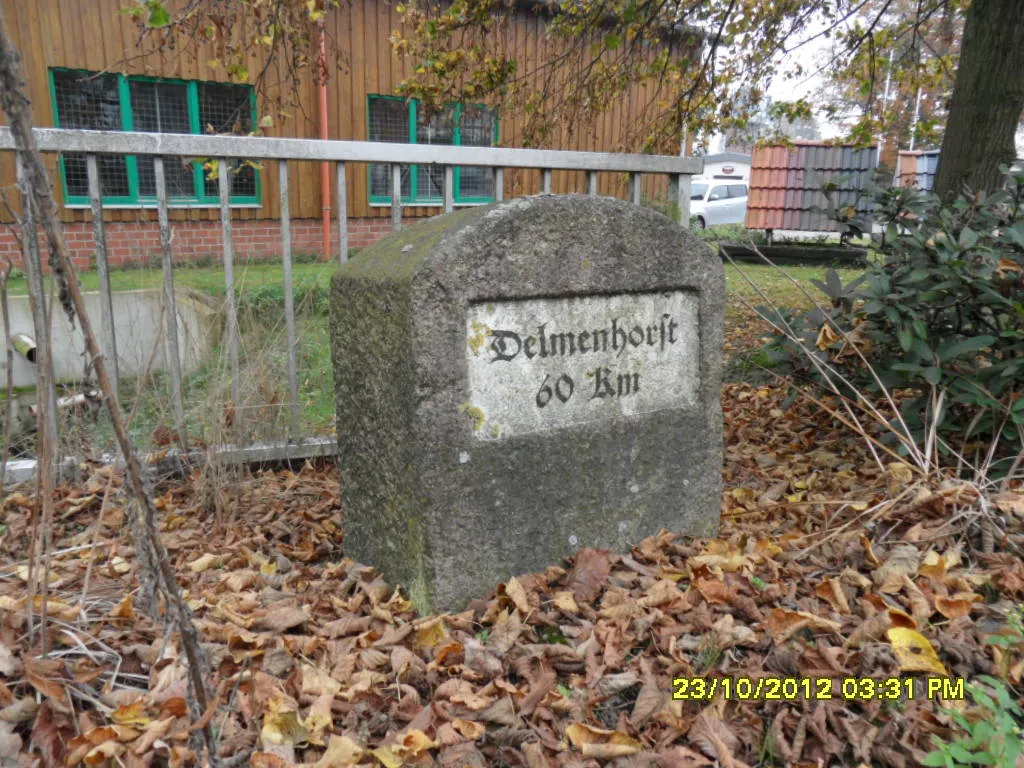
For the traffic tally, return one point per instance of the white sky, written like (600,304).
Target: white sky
(810,57)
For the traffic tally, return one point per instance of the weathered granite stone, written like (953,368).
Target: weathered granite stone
(519,381)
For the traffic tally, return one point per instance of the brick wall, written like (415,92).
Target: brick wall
(139,242)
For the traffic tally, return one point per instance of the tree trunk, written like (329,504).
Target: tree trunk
(988,99)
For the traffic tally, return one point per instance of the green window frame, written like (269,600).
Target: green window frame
(467,181)
(137,170)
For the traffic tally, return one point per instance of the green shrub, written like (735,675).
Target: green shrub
(993,738)
(310,294)
(941,317)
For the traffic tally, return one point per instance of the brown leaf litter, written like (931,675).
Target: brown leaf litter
(827,567)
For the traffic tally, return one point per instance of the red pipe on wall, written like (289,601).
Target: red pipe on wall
(325,167)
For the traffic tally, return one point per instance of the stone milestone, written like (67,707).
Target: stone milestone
(519,381)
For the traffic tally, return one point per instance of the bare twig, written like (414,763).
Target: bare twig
(828,371)
(9,410)
(97,525)
(153,558)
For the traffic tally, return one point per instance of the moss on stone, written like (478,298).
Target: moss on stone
(399,255)
(476,414)
(479,337)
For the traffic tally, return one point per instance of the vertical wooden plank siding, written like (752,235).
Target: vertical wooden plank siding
(499,184)
(341,25)
(92,43)
(94,35)
(673,199)
(361,86)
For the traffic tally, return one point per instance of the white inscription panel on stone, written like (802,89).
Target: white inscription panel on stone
(541,364)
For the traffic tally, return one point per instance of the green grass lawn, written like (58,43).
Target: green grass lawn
(785,286)
(209,280)
(259,288)
(252,279)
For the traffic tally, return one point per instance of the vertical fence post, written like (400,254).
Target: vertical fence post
(674,210)
(224,177)
(396,197)
(46,387)
(685,191)
(103,269)
(591,182)
(546,185)
(449,189)
(173,354)
(634,188)
(289,300)
(342,213)
(499,184)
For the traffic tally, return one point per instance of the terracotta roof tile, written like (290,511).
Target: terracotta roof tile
(917,168)
(786,184)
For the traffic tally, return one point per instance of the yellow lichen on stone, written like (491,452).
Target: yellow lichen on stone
(476,414)
(479,338)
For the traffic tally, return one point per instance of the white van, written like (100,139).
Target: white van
(717,201)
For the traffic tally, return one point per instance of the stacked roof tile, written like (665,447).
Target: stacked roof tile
(787,182)
(917,169)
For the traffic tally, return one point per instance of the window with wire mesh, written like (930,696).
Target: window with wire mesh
(91,102)
(228,109)
(163,108)
(408,122)
(438,128)
(478,128)
(113,102)
(389,121)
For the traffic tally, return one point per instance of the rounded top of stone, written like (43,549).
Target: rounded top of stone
(525,209)
(564,239)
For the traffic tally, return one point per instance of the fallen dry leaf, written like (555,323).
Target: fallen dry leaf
(517,594)
(341,752)
(600,743)
(204,562)
(281,723)
(589,574)
(915,652)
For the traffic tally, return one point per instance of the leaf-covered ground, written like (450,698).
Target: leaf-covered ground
(828,568)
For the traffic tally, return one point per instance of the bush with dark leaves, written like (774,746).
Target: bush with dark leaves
(938,317)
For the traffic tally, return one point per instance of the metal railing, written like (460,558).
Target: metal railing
(161,145)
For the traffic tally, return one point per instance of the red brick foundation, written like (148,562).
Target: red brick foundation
(138,243)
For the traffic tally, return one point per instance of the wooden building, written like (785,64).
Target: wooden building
(84,70)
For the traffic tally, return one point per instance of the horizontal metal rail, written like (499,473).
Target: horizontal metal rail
(161,145)
(261,148)
(177,463)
